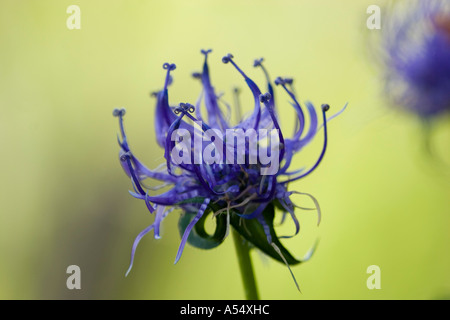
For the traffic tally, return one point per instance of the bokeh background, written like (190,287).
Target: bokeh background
(63,195)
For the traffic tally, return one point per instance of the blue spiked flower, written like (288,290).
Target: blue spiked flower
(416,40)
(237,194)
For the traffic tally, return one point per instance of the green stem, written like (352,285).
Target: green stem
(245,264)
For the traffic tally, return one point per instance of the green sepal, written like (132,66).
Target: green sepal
(198,237)
(253,232)
(250,229)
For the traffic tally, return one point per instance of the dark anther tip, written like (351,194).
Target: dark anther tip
(265,97)
(205,52)
(288,80)
(227,58)
(125,156)
(169,66)
(279,80)
(325,107)
(258,62)
(154,94)
(236,90)
(187,107)
(119,112)
(196,75)
(184,107)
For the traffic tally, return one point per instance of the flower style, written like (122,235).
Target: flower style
(416,43)
(238,195)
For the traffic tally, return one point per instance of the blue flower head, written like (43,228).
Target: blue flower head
(239,194)
(416,40)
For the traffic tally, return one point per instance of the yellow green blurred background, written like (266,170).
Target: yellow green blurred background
(63,195)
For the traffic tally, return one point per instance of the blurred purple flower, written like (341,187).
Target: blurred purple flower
(237,194)
(416,44)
